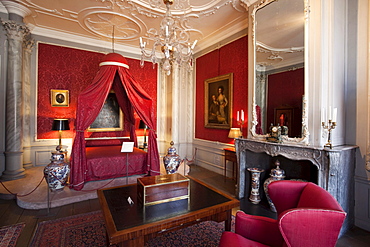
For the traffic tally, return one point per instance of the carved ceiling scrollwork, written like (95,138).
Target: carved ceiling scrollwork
(133,18)
(101,23)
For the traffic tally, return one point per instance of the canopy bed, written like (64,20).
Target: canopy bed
(96,161)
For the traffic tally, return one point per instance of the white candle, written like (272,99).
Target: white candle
(335,115)
(237,116)
(329,113)
(242,117)
(166,30)
(141,42)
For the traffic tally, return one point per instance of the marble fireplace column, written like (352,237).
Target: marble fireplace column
(14,105)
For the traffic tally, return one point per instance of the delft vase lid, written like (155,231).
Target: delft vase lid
(277,172)
(171,149)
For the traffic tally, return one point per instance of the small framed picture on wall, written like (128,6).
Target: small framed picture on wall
(59,98)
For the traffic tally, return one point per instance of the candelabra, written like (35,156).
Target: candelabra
(172,41)
(240,121)
(330,126)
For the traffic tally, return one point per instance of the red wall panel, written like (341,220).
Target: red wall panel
(231,58)
(74,69)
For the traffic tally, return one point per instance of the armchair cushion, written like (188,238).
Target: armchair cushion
(230,239)
(258,228)
(285,195)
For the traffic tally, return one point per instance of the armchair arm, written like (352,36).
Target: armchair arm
(257,228)
(311,227)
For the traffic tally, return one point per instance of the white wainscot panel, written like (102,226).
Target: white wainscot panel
(210,155)
(42,157)
(362,206)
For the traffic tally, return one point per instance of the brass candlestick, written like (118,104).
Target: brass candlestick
(330,126)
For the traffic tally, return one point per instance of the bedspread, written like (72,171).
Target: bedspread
(104,162)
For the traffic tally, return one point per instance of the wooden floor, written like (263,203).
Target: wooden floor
(10,213)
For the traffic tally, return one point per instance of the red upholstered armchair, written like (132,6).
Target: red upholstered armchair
(307,216)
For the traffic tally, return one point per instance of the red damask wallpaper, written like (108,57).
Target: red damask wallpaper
(231,58)
(285,89)
(74,69)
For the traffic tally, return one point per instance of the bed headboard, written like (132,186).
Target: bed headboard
(94,142)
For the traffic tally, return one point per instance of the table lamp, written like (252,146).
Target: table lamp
(60,125)
(235,133)
(143,126)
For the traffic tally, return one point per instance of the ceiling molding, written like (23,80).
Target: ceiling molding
(220,34)
(72,38)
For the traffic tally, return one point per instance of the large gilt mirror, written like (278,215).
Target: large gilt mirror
(278,73)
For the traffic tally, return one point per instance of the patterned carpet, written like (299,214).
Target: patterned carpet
(89,230)
(10,234)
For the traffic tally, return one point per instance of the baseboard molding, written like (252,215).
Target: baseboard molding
(362,224)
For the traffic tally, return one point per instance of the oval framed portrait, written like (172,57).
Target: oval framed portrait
(59,98)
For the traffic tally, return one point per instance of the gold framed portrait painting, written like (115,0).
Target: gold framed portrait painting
(218,101)
(110,117)
(59,98)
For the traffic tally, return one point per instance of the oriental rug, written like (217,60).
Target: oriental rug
(10,234)
(89,230)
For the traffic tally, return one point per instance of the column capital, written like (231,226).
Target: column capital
(28,44)
(15,30)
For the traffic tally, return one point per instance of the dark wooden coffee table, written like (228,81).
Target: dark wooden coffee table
(133,225)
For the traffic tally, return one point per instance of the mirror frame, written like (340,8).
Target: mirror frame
(252,78)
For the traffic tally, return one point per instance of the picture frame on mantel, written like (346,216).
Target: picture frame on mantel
(59,98)
(218,101)
(110,117)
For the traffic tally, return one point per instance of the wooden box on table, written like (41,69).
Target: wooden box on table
(162,188)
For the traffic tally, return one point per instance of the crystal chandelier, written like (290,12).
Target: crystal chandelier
(171,43)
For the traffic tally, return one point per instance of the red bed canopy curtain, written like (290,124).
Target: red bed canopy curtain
(113,74)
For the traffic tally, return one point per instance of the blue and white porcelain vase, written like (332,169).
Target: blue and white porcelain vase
(255,197)
(57,171)
(172,160)
(275,175)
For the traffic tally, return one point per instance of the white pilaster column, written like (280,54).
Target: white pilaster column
(28,44)
(175,107)
(183,110)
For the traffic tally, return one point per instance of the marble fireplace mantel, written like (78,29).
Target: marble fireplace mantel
(335,167)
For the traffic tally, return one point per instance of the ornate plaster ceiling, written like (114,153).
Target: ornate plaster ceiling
(208,21)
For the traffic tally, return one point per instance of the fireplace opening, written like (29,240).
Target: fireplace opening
(294,170)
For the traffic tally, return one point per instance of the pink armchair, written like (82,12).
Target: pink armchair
(307,216)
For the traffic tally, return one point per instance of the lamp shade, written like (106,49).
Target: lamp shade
(60,124)
(142,125)
(235,133)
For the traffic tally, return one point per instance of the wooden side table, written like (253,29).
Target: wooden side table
(230,155)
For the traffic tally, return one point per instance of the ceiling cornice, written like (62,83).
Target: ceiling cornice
(72,38)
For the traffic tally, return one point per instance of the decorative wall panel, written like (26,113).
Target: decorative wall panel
(231,58)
